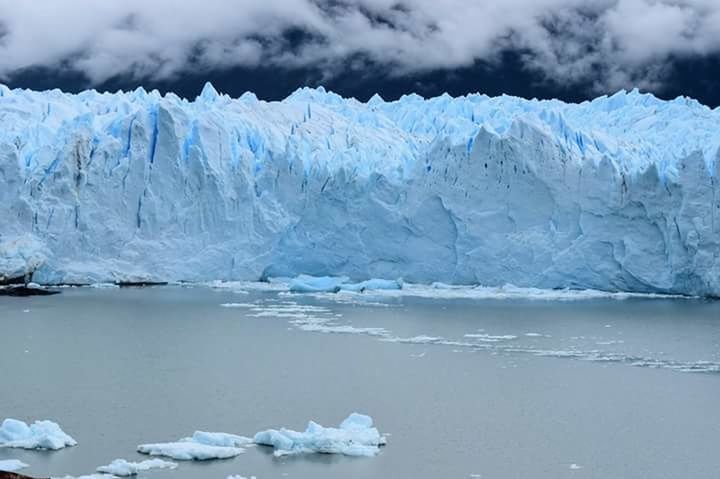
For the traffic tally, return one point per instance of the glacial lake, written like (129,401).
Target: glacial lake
(494,388)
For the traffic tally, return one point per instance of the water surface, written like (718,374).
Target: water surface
(498,388)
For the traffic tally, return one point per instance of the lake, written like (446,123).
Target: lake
(601,388)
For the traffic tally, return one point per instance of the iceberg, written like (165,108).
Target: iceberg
(356,436)
(11,465)
(617,194)
(123,468)
(38,435)
(201,446)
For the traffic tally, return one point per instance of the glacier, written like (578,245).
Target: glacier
(615,194)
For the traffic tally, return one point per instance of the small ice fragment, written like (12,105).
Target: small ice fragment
(237,476)
(356,436)
(39,435)
(12,465)
(123,468)
(575,467)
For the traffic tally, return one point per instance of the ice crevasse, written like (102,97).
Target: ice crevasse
(619,194)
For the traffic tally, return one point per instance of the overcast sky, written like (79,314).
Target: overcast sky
(570,48)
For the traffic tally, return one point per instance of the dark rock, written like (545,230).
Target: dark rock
(7,281)
(23,291)
(13,475)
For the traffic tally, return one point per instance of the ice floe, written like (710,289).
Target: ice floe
(123,468)
(355,436)
(220,439)
(38,435)
(202,446)
(12,465)
(189,451)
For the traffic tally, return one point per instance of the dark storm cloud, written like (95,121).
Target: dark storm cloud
(605,43)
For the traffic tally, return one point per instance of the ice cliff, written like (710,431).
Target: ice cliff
(620,193)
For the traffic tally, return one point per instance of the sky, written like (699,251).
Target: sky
(569,49)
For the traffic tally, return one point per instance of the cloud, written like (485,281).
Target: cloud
(610,43)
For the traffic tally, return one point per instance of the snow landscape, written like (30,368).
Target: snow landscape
(618,194)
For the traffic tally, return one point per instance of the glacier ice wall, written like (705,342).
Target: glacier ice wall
(620,193)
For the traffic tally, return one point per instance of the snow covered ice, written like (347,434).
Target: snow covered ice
(124,468)
(356,436)
(201,446)
(38,435)
(12,465)
(616,194)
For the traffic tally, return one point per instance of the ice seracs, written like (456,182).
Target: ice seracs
(355,436)
(38,435)
(618,194)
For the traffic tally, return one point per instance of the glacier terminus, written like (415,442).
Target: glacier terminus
(618,194)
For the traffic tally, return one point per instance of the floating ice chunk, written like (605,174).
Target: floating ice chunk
(221,439)
(39,435)
(575,467)
(237,476)
(201,446)
(123,468)
(373,284)
(189,451)
(238,305)
(12,465)
(356,436)
(316,284)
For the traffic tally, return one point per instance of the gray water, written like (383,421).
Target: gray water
(607,385)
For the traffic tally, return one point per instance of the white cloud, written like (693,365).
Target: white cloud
(614,43)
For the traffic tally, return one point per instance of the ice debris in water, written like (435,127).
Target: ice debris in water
(38,435)
(123,468)
(88,476)
(201,446)
(334,284)
(12,465)
(356,436)
(237,476)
